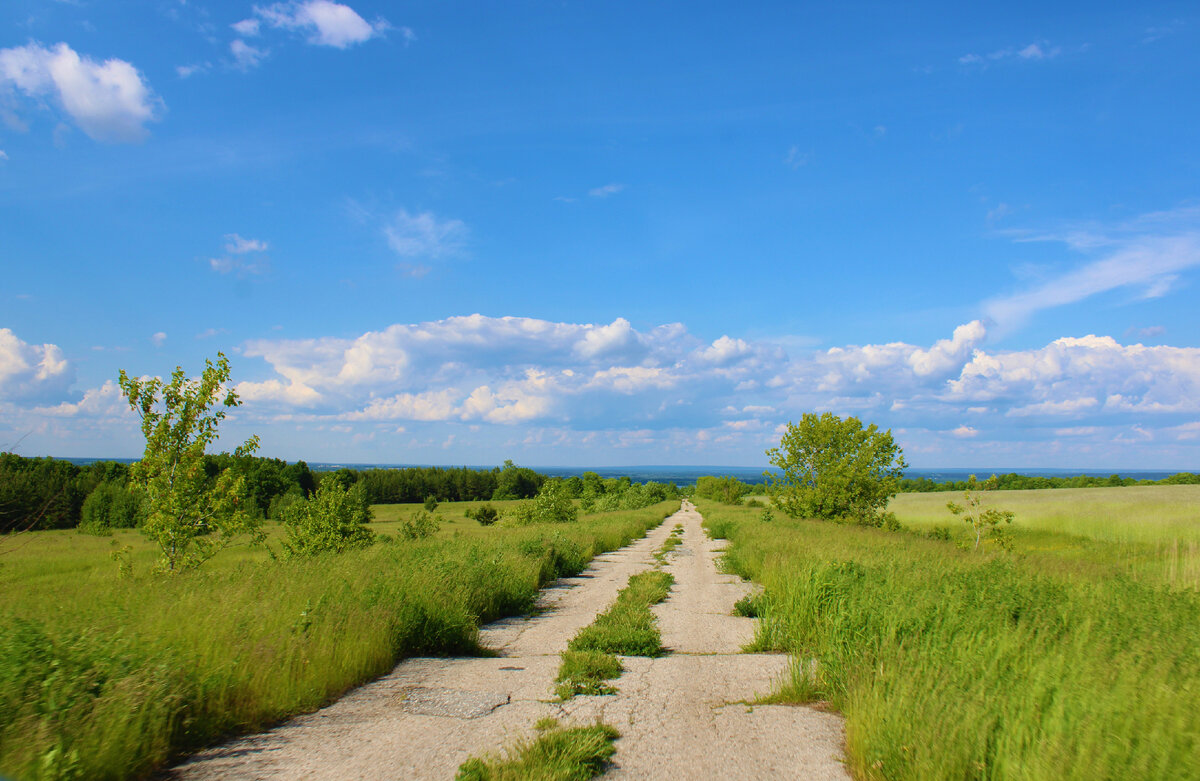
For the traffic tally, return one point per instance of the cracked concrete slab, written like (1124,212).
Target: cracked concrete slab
(682,713)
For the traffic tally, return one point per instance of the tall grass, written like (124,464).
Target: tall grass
(103,677)
(951,664)
(1149,531)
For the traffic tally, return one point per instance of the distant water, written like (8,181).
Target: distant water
(685,475)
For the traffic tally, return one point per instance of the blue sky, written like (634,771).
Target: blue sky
(607,233)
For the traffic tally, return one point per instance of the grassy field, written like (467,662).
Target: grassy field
(1057,661)
(109,677)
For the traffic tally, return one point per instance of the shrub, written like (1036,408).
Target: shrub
(331,522)
(422,524)
(485,514)
(553,504)
(110,506)
(431,503)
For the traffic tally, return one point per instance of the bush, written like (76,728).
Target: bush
(484,514)
(110,506)
(331,522)
(422,524)
(431,503)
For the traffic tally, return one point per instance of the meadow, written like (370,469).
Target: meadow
(111,676)
(1075,656)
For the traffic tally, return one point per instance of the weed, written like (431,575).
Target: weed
(556,754)
(584,672)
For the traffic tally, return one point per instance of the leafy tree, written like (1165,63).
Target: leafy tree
(517,482)
(553,503)
(332,521)
(990,521)
(728,490)
(833,468)
(188,515)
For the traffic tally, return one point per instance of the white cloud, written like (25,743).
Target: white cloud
(159,339)
(238,245)
(29,371)
(245,56)
(964,432)
(107,401)
(326,23)
(425,235)
(187,71)
(606,190)
(247,27)
(3,155)
(1038,50)
(109,101)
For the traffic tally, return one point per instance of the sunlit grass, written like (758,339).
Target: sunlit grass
(948,663)
(110,677)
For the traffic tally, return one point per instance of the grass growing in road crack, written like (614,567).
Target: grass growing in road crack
(556,754)
(628,628)
(585,672)
(671,543)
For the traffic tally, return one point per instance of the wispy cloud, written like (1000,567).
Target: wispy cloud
(236,247)
(795,158)
(605,191)
(425,235)
(1146,254)
(245,56)
(1032,52)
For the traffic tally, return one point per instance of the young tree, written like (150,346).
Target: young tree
(190,516)
(833,468)
(992,521)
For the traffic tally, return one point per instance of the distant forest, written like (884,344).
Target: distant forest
(49,493)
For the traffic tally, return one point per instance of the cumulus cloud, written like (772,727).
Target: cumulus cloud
(425,235)
(324,22)
(107,401)
(109,100)
(30,371)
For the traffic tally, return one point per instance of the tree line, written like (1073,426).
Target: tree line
(1018,482)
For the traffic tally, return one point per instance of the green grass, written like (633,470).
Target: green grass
(1051,663)
(1149,532)
(1146,514)
(673,541)
(107,677)
(585,672)
(557,754)
(628,627)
